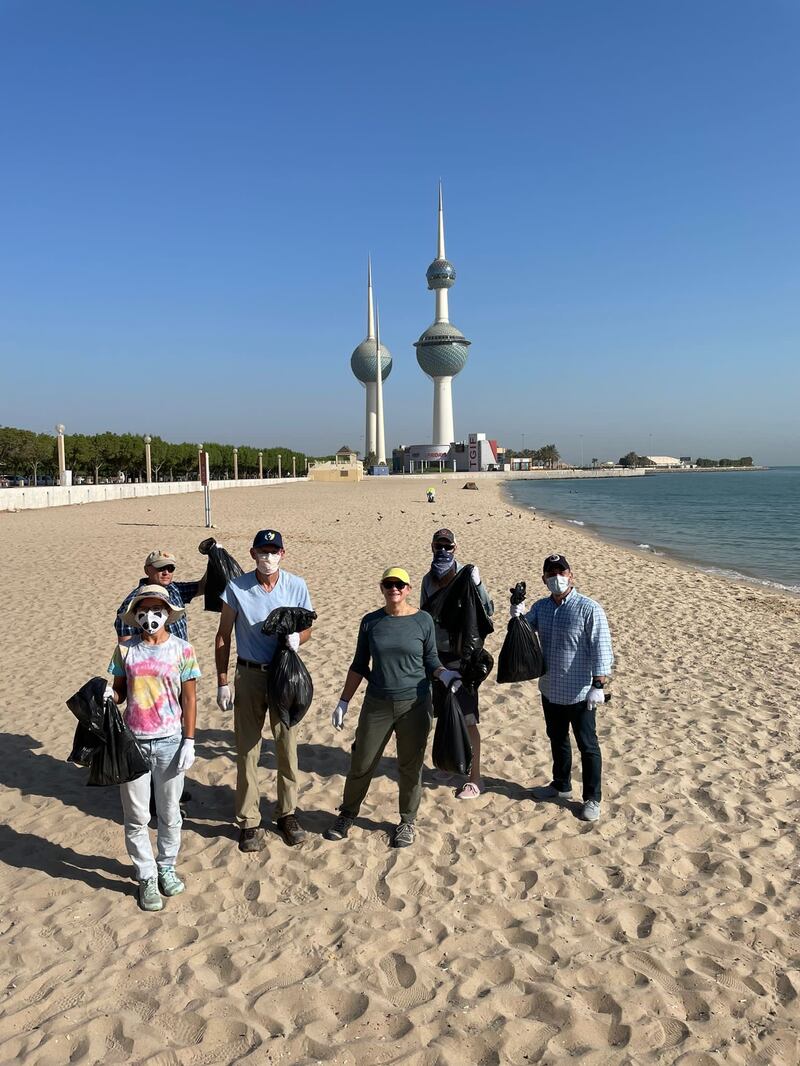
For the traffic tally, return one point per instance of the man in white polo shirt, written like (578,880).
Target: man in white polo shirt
(246,603)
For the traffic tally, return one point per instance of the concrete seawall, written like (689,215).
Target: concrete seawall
(56,496)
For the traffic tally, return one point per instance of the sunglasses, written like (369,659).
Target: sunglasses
(166,570)
(444,544)
(391,584)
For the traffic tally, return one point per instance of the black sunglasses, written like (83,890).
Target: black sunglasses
(444,544)
(166,569)
(392,584)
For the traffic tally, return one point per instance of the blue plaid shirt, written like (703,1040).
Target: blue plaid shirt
(576,643)
(180,593)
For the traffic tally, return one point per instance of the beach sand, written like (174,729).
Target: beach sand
(511,932)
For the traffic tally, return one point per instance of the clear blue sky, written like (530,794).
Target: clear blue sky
(188,193)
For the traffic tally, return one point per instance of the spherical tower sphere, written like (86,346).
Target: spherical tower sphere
(364,363)
(442,350)
(441,274)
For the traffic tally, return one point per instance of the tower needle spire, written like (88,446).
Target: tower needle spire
(370,306)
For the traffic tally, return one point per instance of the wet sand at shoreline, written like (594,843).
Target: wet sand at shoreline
(510,932)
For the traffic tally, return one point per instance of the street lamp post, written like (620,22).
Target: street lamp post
(581,436)
(62,462)
(279,466)
(147,459)
(260,466)
(294,466)
(235,464)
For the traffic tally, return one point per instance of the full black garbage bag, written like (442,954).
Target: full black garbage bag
(463,615)
(119,759)
(521,656)
(102,740)
(452,751)
(475,669)
(290,689)
(221,568)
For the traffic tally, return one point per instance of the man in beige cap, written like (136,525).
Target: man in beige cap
(159,568)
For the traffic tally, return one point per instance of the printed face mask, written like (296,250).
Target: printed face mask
(558,584)
(442,561)
(268,564)
(151,621)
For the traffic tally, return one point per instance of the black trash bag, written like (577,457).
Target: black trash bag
(88,706)
(452,751)
(285,620)
(475,669)
(120,759)
(290,689)
(521,656)
(464,616)
(221,568)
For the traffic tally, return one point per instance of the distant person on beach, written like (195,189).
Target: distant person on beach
(246,603)
(444,568)
(396,652)
(155,675)
(576,643)
(159,569)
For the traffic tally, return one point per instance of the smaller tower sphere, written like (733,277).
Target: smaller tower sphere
(441,274)
(364,364)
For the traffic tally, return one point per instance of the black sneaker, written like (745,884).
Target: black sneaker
(403,835)
(252,839)
(291,830)
(340,828)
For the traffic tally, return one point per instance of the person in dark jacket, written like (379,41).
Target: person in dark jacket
(396,652)
(435,585)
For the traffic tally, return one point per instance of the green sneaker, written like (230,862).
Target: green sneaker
(149,898)
(169,882)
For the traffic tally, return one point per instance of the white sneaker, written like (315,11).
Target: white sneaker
(590,812)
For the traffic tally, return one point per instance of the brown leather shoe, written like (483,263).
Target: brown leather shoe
(252,839)
(291,830)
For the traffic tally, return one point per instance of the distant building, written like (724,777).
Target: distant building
(345,465)
(664,460)
(474,454)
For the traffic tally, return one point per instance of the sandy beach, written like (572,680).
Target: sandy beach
(511,932)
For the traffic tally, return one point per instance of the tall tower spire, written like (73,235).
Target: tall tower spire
(364,364)
(381,434)
(442,349)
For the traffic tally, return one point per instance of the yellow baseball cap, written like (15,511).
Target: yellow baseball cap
(396,572)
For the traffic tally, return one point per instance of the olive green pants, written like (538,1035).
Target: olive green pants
(410,721)
(249,715)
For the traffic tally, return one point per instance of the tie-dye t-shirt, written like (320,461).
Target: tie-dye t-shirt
(155,673)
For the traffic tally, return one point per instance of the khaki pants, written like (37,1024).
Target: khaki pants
(410,721)
(249,713)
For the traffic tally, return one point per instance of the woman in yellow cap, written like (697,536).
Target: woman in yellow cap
(396,652)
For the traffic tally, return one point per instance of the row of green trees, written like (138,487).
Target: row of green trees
(547,454)
(24,453)
(746,460)
(632,459)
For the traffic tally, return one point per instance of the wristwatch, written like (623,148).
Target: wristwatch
(597,684)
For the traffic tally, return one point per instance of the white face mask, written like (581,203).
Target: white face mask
(558,584)
(268,564)
(151,621)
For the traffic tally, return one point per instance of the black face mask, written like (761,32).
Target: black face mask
(442,561)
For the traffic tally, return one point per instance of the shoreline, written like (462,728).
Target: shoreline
(667,556)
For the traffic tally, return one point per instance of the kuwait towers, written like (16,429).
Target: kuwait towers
(442,349)
(364,364)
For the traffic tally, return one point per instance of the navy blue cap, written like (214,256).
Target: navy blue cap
(555,562)
(268,538)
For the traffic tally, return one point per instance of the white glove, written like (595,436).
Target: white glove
(451,678)
(186,755)
(337,718)
(292,641)
(224,698)
(476,576)
(517,610)
(109,693)
(595,698)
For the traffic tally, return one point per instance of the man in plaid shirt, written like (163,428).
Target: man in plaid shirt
(159,568)
(576,643)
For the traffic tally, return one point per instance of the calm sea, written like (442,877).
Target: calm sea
(742,525)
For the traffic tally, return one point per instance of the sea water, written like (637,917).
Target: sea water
(740,524)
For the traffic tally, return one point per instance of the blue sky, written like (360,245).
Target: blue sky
(189,192)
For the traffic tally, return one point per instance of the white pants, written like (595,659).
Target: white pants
(162,755)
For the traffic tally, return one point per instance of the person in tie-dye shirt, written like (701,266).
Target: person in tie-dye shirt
(155,674)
